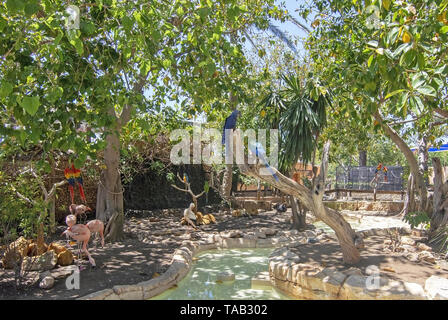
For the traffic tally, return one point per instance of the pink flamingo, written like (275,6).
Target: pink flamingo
(70,221)
(97,227)
(81,234)
(79,210)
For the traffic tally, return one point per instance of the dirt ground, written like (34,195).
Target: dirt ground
(149,244)
(392,265)
(151,239)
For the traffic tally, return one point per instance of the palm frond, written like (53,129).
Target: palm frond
(282,36)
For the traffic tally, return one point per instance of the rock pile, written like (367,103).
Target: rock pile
(32,255)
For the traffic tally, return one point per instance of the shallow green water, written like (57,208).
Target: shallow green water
(200,283)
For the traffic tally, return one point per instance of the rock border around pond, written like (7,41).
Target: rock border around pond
(181,262)
(304,281)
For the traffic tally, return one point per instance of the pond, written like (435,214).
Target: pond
(200,283)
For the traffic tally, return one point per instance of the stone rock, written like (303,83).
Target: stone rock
(412,256)
(65,258)
(14,252)
(405,230)
(251,206)
(288,255)
(408,248)
(250,236)
(44,274)
(407,240)
(46,261)
(437,288)
(426,256)
(47,283)
(233,234)
(290,232)
(260,235)
(268,231)
(57,248)
(423,247)
(310,234)
(355,288)
(225,276)
(353,271)
(63,272)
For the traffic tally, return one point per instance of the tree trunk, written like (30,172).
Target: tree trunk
(423,158)
(363,158)
(52,215)
(409,201)
(312,199)
(226,187)
(109,207)
(298,215)
(439,215)
(410,158)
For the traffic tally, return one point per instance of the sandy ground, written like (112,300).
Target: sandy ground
(150,241)
(398,266)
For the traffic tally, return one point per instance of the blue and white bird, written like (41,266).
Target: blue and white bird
(230,123)
(257,149)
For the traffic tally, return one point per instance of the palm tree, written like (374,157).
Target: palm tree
(301,118)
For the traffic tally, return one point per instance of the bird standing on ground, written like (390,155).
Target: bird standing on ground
(81,234)
(230,123)
(97,227)
(280,207)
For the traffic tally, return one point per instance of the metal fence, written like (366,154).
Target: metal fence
(359,178)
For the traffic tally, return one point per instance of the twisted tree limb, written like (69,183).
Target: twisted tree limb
(188,190)
(312,199)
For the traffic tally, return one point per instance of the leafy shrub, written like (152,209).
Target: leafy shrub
(417,218)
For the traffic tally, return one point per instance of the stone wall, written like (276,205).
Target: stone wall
(386,206)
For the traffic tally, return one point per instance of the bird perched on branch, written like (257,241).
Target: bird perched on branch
(257,149)
(230,123)
(73,177)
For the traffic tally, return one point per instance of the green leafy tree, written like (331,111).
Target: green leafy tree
(385,69)
(126,58)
